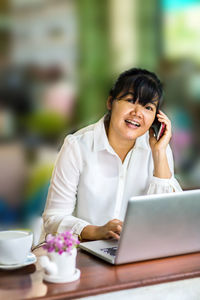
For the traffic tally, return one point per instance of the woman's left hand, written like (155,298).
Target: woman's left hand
(162,143)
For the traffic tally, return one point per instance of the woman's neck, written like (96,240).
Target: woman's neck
(120,146)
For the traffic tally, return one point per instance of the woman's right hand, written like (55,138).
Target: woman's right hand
(111,229)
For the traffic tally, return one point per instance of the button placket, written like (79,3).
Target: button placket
(120,191)
(121,184)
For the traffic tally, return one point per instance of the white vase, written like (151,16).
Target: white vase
(60,267)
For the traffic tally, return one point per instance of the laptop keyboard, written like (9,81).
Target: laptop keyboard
(112,250)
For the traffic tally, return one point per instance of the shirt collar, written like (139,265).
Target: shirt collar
(101,140)
(143,141)
(100,136)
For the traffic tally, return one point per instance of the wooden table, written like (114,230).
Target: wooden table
(97,277)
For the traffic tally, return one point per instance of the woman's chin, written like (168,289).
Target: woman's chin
(133,136)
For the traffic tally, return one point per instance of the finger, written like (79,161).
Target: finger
(167,131)
(164,120)
(118,229)
(116,221)
(111,234)
(115,228)
(160,118)
(167,125)
(162,113)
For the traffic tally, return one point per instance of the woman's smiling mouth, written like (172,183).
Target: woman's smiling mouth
(132,123)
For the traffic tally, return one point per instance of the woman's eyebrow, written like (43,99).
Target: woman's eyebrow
(129,94)
(126,95)
(154,103)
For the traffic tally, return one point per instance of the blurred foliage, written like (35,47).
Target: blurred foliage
(39,177)
(45,124)
(94,56)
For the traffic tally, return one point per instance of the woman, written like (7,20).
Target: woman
(102,165)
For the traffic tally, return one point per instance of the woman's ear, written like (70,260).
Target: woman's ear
(109,103)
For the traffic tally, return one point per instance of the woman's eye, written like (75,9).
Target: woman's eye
(130,100)
(148,107)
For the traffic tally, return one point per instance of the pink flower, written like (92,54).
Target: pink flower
(62,242)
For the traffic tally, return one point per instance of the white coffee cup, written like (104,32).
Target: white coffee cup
(15,245)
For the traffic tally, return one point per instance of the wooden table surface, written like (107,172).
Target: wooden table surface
(97,277)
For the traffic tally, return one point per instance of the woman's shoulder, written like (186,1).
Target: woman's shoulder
(84,131)
(84,135)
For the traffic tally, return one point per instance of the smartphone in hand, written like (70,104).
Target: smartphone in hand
(159,129)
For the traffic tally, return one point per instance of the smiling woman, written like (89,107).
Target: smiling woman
(128,121)
(102,165)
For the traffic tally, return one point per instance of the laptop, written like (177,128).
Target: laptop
(155,226)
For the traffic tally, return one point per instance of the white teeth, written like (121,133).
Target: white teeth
(133,122)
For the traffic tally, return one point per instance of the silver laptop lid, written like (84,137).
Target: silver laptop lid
(160,225)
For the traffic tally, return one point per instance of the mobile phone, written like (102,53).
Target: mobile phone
(159,129)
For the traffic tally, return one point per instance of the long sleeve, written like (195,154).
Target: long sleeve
(160,185)
(61,199)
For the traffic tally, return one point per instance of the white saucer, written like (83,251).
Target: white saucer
(57,279)
(31,259)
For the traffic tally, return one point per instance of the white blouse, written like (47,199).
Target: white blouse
(91,185)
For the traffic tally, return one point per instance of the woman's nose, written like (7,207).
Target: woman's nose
(137,110)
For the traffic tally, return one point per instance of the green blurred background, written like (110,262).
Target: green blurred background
(58,61)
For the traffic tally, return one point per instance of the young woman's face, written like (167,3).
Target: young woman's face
(130,120)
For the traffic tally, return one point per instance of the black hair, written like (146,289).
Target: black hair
(141,84)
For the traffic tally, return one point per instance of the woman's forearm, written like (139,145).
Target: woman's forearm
(90,232)
(161,166)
